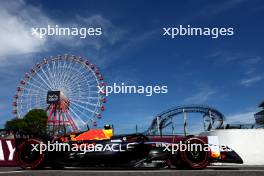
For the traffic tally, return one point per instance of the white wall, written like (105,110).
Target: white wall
(248,143)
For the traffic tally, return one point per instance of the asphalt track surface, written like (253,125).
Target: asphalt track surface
(211,171)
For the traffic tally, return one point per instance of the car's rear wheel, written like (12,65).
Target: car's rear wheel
(197,154)
(29,158)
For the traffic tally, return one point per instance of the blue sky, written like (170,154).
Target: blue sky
(226,73)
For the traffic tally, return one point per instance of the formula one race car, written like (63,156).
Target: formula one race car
(100,148)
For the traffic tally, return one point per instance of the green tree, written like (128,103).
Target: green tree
(34,122)
(15,125)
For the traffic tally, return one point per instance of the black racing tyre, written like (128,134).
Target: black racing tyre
(28,159)
(195,158)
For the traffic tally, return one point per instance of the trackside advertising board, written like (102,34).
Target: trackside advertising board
(7,152)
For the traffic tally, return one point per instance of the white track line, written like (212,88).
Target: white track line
(8,172)
(125,171)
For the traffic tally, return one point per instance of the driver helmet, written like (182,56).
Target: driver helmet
(107,127)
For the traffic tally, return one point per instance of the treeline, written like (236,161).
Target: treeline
(34,122)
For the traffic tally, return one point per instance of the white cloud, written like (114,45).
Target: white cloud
(200,97)
(211,9)
(111,34)
(253,60)
(226,5)
(240,118)
(250,81)
(17,19)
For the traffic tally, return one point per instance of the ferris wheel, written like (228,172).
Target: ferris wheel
(66,87)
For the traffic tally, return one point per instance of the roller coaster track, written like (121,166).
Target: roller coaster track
(210,115)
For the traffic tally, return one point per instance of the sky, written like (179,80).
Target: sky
(225,73)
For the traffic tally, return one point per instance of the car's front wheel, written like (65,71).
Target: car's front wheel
(29,158)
